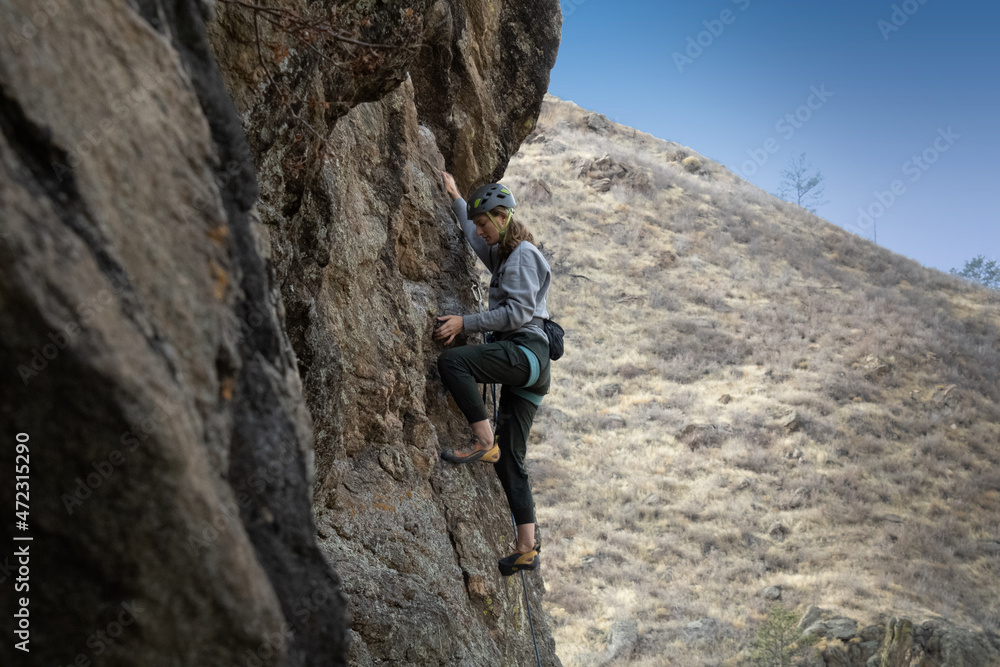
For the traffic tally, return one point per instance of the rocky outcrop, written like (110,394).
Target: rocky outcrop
(935,642)
(898,643)
(367,254)
(145,358)
(622,639)
(213,367)
(598,122)
(602,173)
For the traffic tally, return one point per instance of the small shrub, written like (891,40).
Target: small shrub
(691,164)
(851,385)
(662,299)
(778,641)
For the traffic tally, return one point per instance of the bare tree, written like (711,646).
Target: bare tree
(801,187)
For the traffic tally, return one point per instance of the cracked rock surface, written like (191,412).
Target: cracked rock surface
(367,253)
(217,283)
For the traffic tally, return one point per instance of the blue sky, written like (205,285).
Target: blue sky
(883,95)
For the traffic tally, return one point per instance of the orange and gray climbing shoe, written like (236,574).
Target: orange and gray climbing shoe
(482,453)
(518,561)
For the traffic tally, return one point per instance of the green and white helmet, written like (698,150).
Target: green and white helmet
(488,197)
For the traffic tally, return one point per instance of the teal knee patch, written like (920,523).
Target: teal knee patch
(535,367)
(534,371)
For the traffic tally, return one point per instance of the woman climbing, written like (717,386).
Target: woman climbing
(518,358)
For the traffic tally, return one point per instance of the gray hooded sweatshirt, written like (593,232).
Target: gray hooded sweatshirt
(517,289)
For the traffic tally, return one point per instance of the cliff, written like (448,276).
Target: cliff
(216,328)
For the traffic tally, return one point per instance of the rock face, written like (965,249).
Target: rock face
(622,639)
(208,374)
(935,642)
(898,643)
(145,358)
(602,173)
(367,254)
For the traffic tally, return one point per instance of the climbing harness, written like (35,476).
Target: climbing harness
(534,367)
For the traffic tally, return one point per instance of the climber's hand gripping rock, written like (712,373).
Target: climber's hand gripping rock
(448,327)
(449,185)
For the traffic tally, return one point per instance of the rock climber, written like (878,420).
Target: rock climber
(517,358)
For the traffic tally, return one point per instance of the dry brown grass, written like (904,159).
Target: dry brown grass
(704,286)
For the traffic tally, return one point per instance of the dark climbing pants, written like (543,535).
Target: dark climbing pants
(462,368)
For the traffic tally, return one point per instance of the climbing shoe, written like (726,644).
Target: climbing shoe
(486,455)
(518,561)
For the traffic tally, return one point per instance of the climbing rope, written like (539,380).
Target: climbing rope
(477,292)
(524,583)
(524,586)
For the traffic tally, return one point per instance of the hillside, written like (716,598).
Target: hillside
(751,397)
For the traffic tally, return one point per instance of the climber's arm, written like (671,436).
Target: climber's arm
(458,205)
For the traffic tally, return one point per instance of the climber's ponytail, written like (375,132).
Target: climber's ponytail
(513,233)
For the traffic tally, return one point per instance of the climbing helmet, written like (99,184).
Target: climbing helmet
(488,197)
